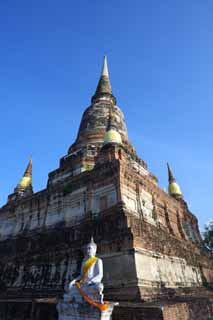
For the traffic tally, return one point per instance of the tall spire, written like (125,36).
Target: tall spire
(25,184)
(104,90)
(170,175)
(173,188)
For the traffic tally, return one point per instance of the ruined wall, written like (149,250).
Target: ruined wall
(64,204)
(170,271)
(39,264)
(140,230)
(163,261)
(41,236)
(143,198)
(168,246)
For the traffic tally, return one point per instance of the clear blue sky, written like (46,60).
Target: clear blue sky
(160,56)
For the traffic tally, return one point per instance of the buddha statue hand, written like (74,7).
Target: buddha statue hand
(72,283)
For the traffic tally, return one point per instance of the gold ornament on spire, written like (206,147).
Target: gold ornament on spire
(25,183)
(173,188)
(112,135)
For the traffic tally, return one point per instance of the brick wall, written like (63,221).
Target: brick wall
(196,309)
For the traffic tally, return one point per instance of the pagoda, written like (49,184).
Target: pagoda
(155,263)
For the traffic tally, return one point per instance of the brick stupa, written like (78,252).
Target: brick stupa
(155,263)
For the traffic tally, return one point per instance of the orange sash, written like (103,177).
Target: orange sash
(101,306)
(87,265)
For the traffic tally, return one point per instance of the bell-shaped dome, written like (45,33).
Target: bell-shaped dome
(174,189)
(112,136)
(25,182)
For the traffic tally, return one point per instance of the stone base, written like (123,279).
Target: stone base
(82,311)
(191,309)
(177,308)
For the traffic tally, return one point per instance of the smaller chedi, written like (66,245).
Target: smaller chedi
(83,297)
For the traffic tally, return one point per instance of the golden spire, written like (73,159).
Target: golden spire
(173,188)
(25,184)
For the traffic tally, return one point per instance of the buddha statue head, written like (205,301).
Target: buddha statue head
(91,248)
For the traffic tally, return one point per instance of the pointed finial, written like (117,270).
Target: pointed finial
(173,188)
(105,71)
(170,175)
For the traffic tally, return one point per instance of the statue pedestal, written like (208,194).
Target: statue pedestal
(82,311)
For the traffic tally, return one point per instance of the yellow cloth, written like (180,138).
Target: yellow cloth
(87,265)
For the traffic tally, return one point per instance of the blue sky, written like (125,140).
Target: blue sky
(160,56)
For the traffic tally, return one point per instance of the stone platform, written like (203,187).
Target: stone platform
(181,309)
(190,308)
(76,311)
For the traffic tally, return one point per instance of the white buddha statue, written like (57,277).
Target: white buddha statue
(87,286)
(83,298)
